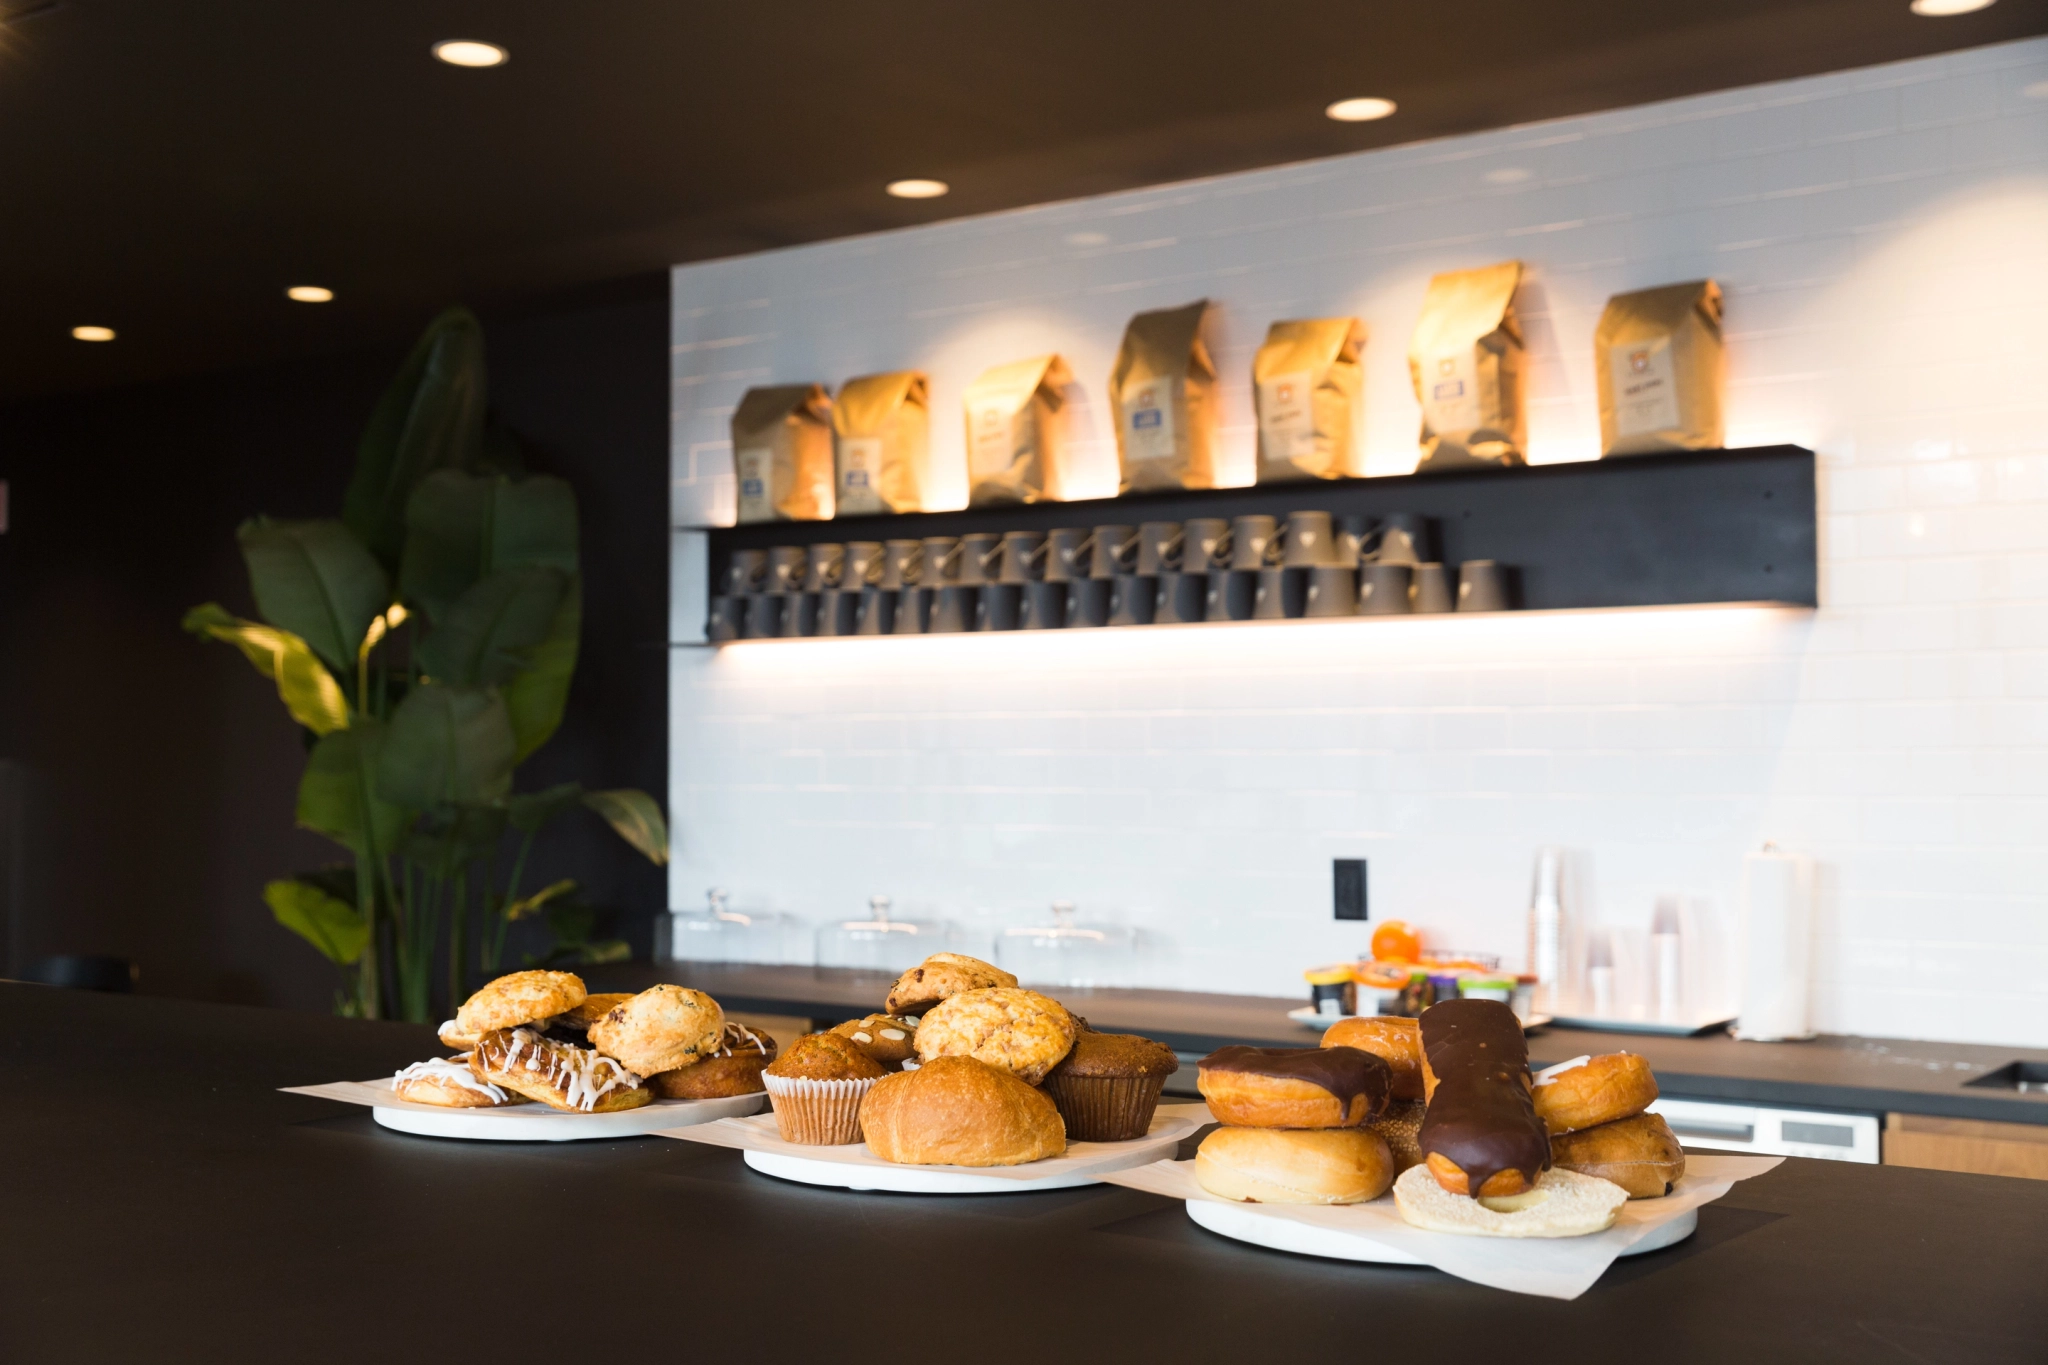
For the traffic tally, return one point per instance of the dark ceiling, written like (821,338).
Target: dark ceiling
(170,166)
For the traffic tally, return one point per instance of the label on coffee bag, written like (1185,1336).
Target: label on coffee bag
(1450,393)
(1645,387)
(992,430)
(1287,416)
(860,464)
(754,469)
(1148,420)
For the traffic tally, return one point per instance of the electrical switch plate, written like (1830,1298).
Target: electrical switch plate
(1348,883)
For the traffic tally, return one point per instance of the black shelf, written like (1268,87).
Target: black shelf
(1647,530)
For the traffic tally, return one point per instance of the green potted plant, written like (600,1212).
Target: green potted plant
(426,641)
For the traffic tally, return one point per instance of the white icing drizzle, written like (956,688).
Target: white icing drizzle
(452,1071)
(726,1047)
(584,1077)
(445,1029)
(1551,1073)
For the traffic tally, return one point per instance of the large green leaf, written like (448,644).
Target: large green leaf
(338,795)
(636,817)
(307,689)
(491,631)
(448,746)
(527,905)
(449,838)
(531,810)
(432,417)
(317,581)
(539,693)
(333,926)
(461,528)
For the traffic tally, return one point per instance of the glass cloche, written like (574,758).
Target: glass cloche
(881,942)
(1065,953)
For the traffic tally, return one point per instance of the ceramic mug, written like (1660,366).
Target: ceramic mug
(1308,539)
(1205,544)
(1251,538)
(1330,590)
(913,611)
(863,564)
(1067,553)
(956,610)
(787,565)
(876,613)
(1002,606)
(1233,593)
(902,564)
(1183,599)
(1132,600)
(1159,545)
(838,611)
(825,568)
(1024,557)
(980,558)
(1384,590)
(1044,606)
(1088,602)
(941,565)
(1114,551)
(764,615)
(1483,585)
(745,571)
(728,618)
(1432,591)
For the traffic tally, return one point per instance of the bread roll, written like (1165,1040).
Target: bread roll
(957,1111)
(1294,1166)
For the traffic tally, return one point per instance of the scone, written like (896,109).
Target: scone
(447,1082)
(593,1008)
(884,1037)
(1023,1032)
(733,1069)
(660,1029)
(956,1111)
(939,977)
(816,1088)
(521,998)
(559,1075)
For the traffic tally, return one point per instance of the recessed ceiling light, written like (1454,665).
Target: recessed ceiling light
(1940,9)
(1362,110)
(1507,175)
(465,52)
(93,333)
(309,293)
(918,189)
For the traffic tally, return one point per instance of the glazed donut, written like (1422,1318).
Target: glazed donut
(1588,1091)
(1480,1135)
(559,1075)
(734,1069)
(1281,1166)
(1401,1126)
(448,1083)
(1640,1154)
(1288,1087)
(1392,1039)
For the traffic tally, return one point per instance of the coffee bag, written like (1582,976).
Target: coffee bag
(1307,384)
(1163,396)
(1660,363)
(1466,361)
(881,429)
(782,453)
(1016,433)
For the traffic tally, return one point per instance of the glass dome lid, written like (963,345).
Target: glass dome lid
(881,941)
(1067,953)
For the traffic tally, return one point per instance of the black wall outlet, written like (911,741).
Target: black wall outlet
(1348,878)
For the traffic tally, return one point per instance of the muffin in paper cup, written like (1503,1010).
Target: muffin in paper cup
(817,1113)
(1106,1108)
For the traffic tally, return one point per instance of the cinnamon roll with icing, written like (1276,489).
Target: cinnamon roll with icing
(559,1075)
(448,1083)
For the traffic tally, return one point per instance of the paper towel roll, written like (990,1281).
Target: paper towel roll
(1777,947)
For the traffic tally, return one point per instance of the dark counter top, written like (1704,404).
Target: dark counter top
(166,1203)
(1870,1075)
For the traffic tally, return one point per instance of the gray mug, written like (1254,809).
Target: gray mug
(1433,591)
(902,564)
(787,565)
(764,615)
(1233,593)
(1088,602)
(1354,533)
(876,614)
(1044,606)
(745,572)
(1251,540)
(1183,599)
(838,611)
(863,564)
(1159,545)
(1384,590)
(728,619)
(826,567)
(980,556)
(800,614)
(1205,544)
(1067,553)
(1115,548)
(1002,606)
(1307,540)
(1132,600)
(1330,590)
(956,610)
(1024,557)
(913,611)
(941,562)
(1484,586)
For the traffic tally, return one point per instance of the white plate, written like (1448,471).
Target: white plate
(854,1167)
(1248,1223)
(527,1122)
(1307,1017)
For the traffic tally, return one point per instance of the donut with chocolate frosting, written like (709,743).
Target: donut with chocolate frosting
(1480,1134)
(1294,1087)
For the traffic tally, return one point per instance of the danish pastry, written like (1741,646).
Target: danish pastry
(733,1069)
(1588,1091)
(888,1039)
(449,1083)
(521,998)
(660,1029)
(939,977)
(1023,1032)
(559,1075)
(1394,1040)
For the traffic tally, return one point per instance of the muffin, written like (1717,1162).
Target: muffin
(816,1088)
(1021,1031)
(733,1069)
(884,1037)
(1108,1086)
(955,1111)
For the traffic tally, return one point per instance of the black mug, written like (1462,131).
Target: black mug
(1433,591)
(1233,594)
(1132,600)
(1384,590)
(942,556)
(1088,602)
(1183,599)
(902,564)
(913,610)
(787,565)
(1044,606)
(876,612)
(745,571)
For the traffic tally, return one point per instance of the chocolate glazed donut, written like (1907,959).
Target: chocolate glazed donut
(1284,1087)
(1480,1134)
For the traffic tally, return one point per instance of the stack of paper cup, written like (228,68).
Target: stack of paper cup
(1777,946)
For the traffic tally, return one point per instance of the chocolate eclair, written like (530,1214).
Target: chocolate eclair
(1480,1134)
(1287,1087)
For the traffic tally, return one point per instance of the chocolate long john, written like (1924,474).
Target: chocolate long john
(1480,1115)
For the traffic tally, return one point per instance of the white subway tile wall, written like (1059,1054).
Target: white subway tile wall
(1882,236)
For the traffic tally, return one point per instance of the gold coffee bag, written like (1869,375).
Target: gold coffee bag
(1016,433)
(1660,363)
(881,432)
(782,453)
(1163,396)
(1307,384)
(1466,361)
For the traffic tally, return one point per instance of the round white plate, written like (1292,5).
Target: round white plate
(538,1123)
(1245,1223)
(873,1173)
